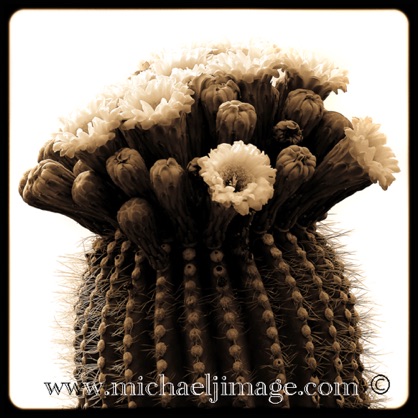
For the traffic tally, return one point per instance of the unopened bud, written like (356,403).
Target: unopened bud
(295,162)
(287,132)
(166,177)
(128,171)
(170,184)
(136,219)
(305,108)
(235,121)
(48,186)
(217,93)
(93,193)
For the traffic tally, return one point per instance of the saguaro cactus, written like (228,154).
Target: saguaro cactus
(206,178)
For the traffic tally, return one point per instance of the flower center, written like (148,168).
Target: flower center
(236,177)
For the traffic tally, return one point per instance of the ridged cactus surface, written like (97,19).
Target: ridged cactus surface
(205,178)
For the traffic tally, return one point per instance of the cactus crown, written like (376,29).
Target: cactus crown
(185,105)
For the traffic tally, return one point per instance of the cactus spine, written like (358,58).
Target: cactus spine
(206,189)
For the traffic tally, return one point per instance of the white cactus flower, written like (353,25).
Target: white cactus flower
(367,145)
(238,175)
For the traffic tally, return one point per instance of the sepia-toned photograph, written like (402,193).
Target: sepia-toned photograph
(208,209)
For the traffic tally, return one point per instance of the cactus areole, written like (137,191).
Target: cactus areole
(213,280)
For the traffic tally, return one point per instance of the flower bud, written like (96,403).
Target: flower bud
(287,132)
(91,192)
(48,186)
(166,176)
(136,219)
(217,93)
(294,163)
(235,121)
(23,181)
(305,108)
(79,167)
(170,184)
(128,171)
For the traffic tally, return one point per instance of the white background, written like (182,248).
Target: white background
(60,59)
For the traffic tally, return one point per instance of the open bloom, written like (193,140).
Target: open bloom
(355,162)
(238,175)
(315,73)
(247,64)
(165,62)
(89,128)
(368,147)
(151,99)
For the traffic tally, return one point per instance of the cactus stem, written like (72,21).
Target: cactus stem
(166,338)
(219,219)
(267,349)
(299,343)
(236,363)
(350,342)
(136,339)
(199,353)
(85,315)
(110,319)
